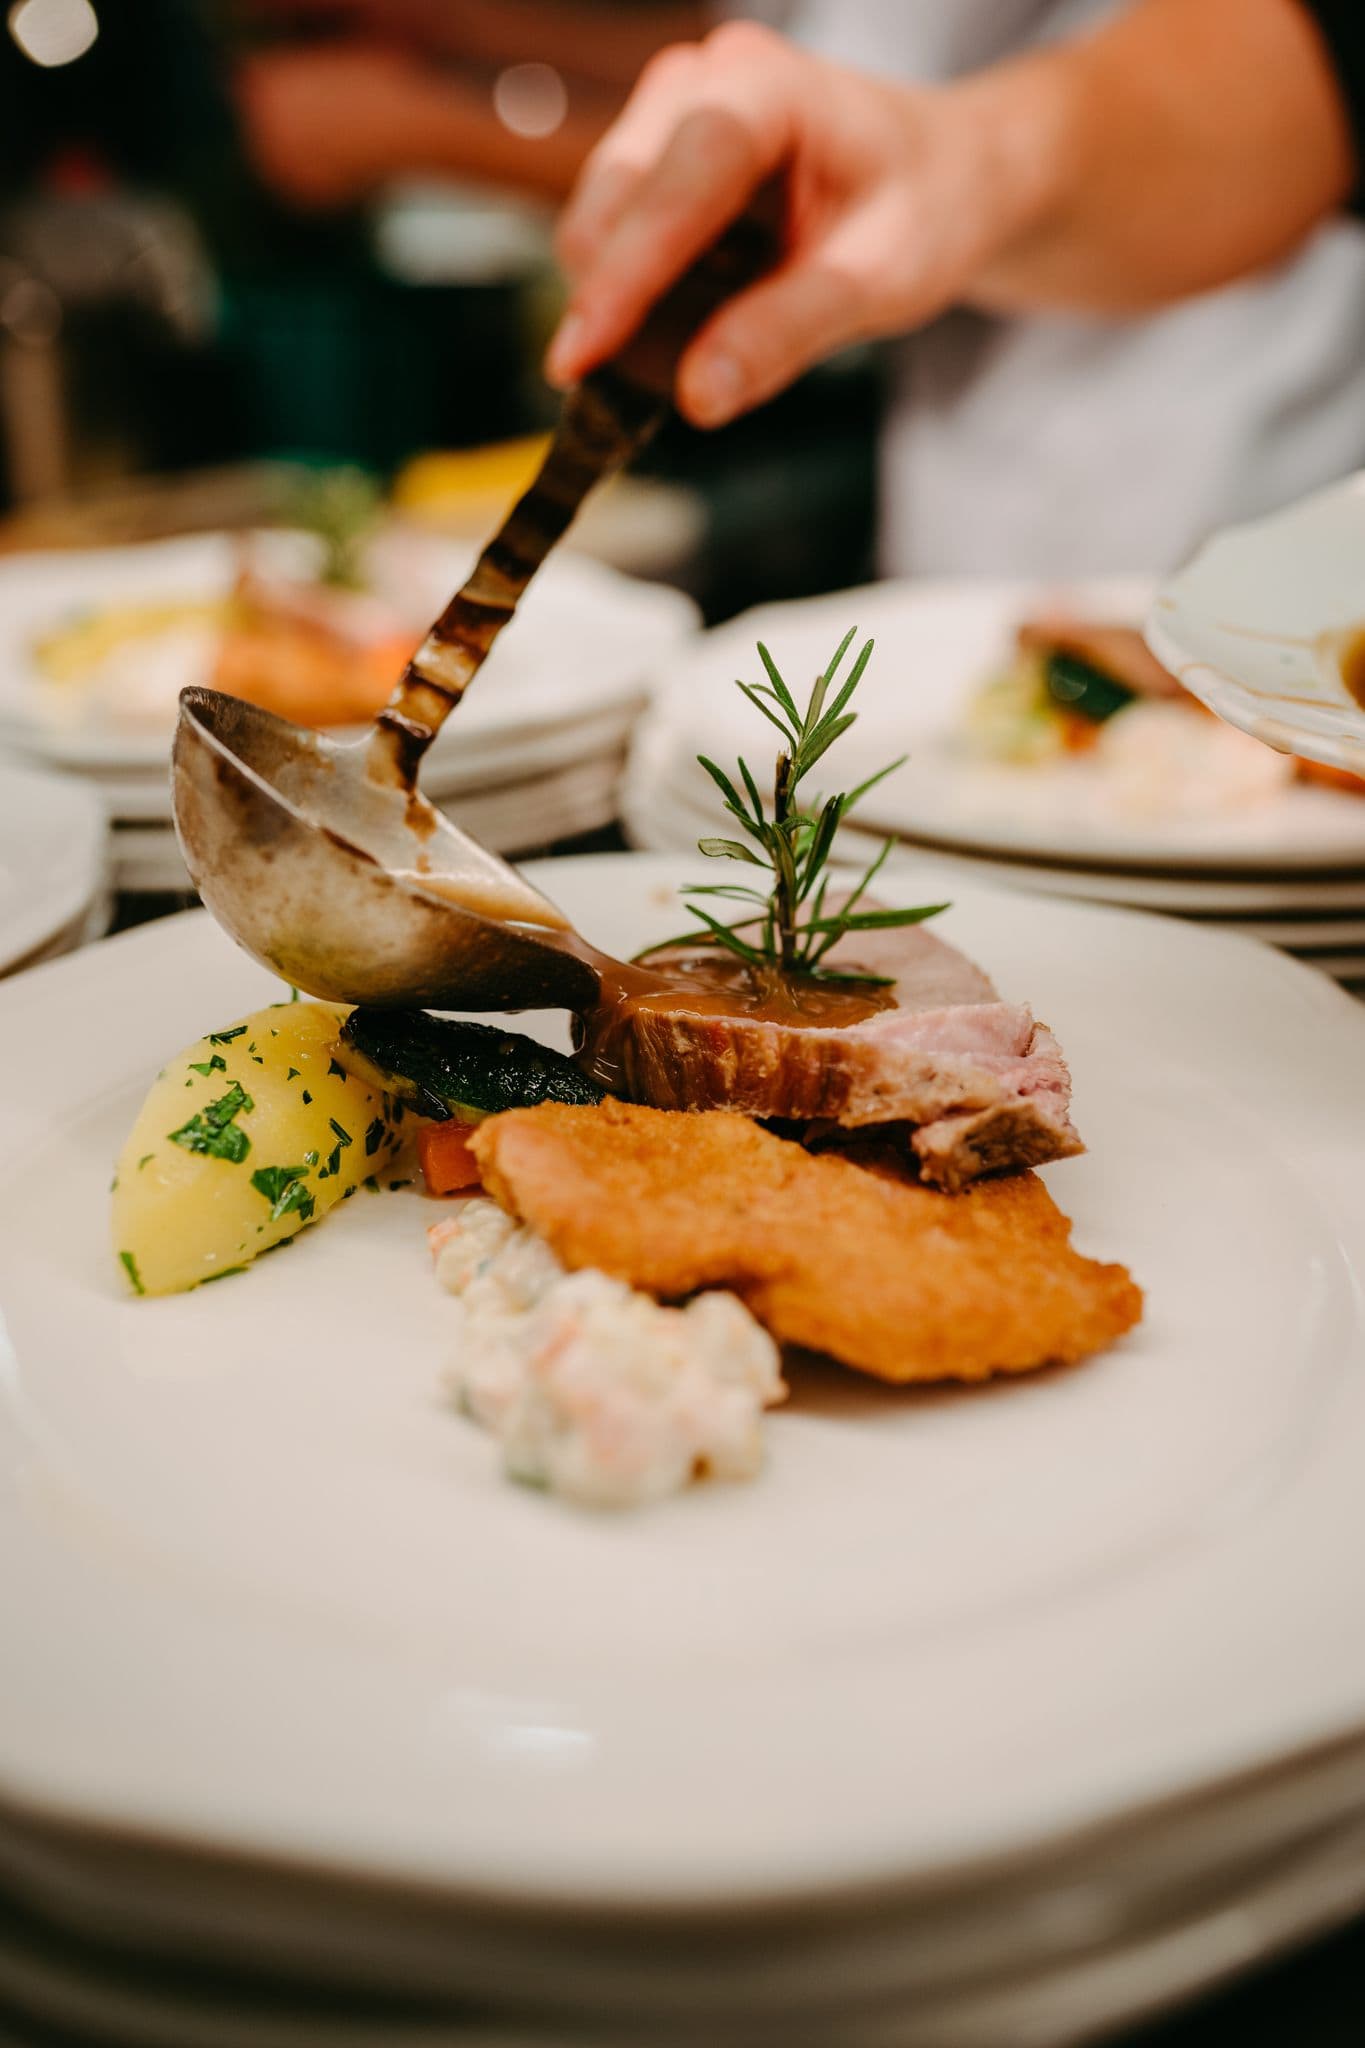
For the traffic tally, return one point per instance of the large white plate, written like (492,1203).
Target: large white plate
(1256,622)
(936,642)
(260,1588)
(580,646)
(52,860)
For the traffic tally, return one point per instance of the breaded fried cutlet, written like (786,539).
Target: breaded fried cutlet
(889,1276)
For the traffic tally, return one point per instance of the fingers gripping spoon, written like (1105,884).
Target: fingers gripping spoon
(322,859)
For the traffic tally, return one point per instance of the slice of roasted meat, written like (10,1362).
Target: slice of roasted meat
(979,1084)
(867,1265)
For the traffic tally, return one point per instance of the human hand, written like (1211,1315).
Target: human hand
(897,197)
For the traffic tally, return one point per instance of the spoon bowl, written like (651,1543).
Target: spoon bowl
(351,890)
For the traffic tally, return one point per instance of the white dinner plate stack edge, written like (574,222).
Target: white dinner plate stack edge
(54,867)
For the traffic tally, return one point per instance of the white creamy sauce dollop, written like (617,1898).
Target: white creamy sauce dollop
(594,1390)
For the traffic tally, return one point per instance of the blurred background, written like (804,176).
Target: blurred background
(245,240)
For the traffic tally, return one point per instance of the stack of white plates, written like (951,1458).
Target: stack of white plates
(54,892)
(1287,867)
(982,1718)
(534,756)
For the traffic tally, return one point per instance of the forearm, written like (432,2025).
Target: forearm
(450,128)
(1184,145)
(327,124)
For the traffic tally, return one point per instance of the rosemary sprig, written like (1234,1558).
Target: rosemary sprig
(786,928)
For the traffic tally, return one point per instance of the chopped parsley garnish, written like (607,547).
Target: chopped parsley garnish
(226,1037)
(310,1158)
(283,1187)
(394,1185)
(292,1075)
(333,1165)
(129,1265)
(215,1131)
(226,1274)
(371,1183)
(214,1063)
(339,1130)
(143,1161)
(335,1067)
(306,1096)
(374,1137)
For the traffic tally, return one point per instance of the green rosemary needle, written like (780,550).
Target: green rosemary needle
(786,926)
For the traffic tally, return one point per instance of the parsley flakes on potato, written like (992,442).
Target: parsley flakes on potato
(244,1139)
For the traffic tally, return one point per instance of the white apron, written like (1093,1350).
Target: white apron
(1057,446)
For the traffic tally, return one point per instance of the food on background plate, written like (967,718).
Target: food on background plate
(856,1260)
(309,640)
(312,654)
(245,1137)
(594,1389)
(1092,698)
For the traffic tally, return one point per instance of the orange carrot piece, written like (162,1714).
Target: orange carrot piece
(448,1165)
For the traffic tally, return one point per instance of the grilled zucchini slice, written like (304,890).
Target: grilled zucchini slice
(441,1068)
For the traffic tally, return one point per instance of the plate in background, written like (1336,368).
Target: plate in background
(1256,625)
(936,643)
(52,863)
(580,646)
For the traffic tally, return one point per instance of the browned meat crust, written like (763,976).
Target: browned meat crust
(891,1277)
(983,1084)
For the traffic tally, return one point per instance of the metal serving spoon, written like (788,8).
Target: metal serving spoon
(320,858)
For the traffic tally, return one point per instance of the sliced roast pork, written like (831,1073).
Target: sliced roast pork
(980,1086)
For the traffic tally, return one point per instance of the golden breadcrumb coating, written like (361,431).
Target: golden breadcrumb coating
(893,1278)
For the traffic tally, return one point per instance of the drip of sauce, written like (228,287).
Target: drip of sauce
(1352,665)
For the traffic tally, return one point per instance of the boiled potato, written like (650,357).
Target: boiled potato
(244,1138)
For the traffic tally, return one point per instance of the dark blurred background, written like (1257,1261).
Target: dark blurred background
(240,236)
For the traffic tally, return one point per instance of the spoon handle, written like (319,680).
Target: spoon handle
(605,422)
